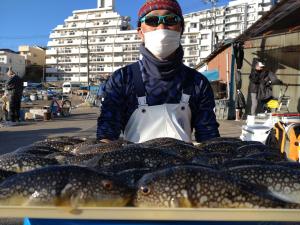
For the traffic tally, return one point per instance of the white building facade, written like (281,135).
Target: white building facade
(225,22)
(93,43)
(9,58)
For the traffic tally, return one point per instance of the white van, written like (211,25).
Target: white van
(69,87)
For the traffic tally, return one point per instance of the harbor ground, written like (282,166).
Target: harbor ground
(82,122)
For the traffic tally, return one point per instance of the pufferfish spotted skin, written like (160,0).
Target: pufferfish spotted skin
(200,187)
(71,186)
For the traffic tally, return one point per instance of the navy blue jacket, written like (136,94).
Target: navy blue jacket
(14,86)
(121,101)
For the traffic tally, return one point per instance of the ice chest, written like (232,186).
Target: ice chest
(255,133)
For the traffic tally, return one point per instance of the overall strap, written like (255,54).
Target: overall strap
(139,87)
(187,87)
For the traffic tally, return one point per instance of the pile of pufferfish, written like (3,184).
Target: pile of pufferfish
(164,172)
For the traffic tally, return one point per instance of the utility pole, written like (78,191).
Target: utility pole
(88,58)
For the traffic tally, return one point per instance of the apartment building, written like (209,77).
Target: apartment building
(93,43)
(9,58)
(34,55)
(226,22)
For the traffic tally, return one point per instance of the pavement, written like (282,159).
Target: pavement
(82,122)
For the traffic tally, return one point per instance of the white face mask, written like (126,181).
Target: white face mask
(162,43)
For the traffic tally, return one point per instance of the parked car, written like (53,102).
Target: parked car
(70,87)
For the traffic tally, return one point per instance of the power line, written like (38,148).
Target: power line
(24,37)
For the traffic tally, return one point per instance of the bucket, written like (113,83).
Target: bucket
(250,120)
(33,97)
(47,116)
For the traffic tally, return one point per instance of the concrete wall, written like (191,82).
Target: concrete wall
(281,54)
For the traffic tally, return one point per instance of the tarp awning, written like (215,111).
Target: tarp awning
(211,75)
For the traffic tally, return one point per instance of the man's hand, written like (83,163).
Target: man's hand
(105,141)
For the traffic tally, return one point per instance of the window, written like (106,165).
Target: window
(204,36)
(193,25)
(105,22)
(204,48)
(67,50)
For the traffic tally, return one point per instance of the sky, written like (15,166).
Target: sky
(29,22)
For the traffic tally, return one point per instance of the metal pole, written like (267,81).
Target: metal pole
(43,79)
(113,46)
(88,59)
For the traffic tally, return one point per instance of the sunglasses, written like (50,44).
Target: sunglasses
(154,21)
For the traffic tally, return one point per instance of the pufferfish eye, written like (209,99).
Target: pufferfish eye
(145,190)
(107,184)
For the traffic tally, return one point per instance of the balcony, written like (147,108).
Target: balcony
(52,43)
(76,51)
(107,60)
(51,52)
(232,20)
(55,35)
(82,79)
(76,60)
(234,11)
(232,27)
(51,70)
(51,79)
(77,70)
(51,61)
(118,59)
(204,54)
(108,49)
(106,69)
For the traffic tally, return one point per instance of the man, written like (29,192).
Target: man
(158,96)
(14,87)
(260,87)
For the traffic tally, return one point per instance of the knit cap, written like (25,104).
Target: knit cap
(150,5)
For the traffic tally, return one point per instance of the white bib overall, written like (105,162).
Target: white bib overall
(167,120)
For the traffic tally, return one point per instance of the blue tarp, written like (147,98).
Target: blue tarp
(28,221)
(211,74)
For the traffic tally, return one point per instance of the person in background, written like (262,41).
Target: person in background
(100,93)
(14,87)
(158,96)
(5,106)
(260,87)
